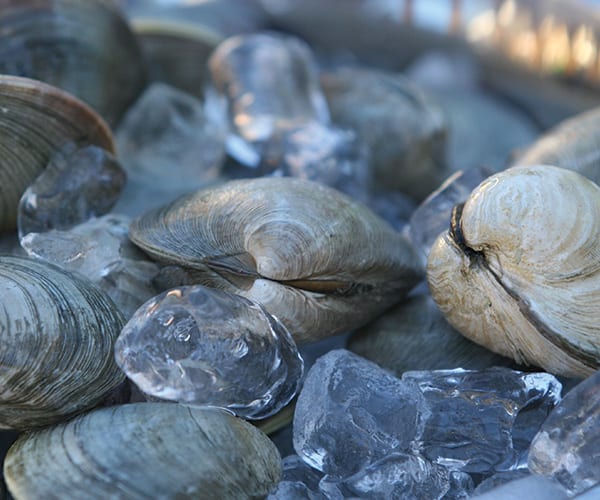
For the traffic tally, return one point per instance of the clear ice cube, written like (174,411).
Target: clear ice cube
(201,346)
(79,183)
(567,447)
(168,148)
(400,476)
(482,421)
(263,82)
(100,250)
(351,413)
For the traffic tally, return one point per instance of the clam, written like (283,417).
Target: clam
(36,120)
(145,450)
(318,261)
(572,144)
(56,344)
(519,270)
(414,335)
(82,46)
(381,106)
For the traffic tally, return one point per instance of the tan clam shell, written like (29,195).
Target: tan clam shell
(36,119)
(57,334)
(519,271)
(320,262)
(145,450)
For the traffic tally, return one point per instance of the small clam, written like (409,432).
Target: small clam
(82,46)
(320,262)
(36,120)
(519,270)
(56,344)
(144,450)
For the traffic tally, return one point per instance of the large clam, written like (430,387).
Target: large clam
(82,46)
(519,270)
(36,120)
(56,344)
(320,262)
(145,450)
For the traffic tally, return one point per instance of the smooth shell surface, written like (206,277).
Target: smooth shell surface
(57,333)
(145,450)
(519,271)
(82,46)
(36,120)
(312,257)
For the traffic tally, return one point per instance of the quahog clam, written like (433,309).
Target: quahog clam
(57,333)
(82,46)
(144,450)
(519,270)
(572,144)
(36,120)
(321,263)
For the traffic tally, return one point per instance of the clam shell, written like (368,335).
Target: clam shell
(519,271)
(82,46)
(572,144)
(414,335)
(57,333)
(36,120)
(145,450)
(320,262)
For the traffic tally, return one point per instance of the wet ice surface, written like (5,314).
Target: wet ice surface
(400,476)
(168,147)
(364,428)
(263,83)
(351,413)
(100,250)
(482,421)
(320,153)
(267,97)
(78,183)
(567,447)
(201,346)
(432,216)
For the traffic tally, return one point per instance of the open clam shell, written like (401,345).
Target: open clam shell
(36,119)
(519,270)
(320,262)
(57,333)
(145,450)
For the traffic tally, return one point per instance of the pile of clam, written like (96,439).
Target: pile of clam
(144,357)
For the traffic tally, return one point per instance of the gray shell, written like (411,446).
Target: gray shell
(85,47)
(57,333)
(320,262)
(144,450)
